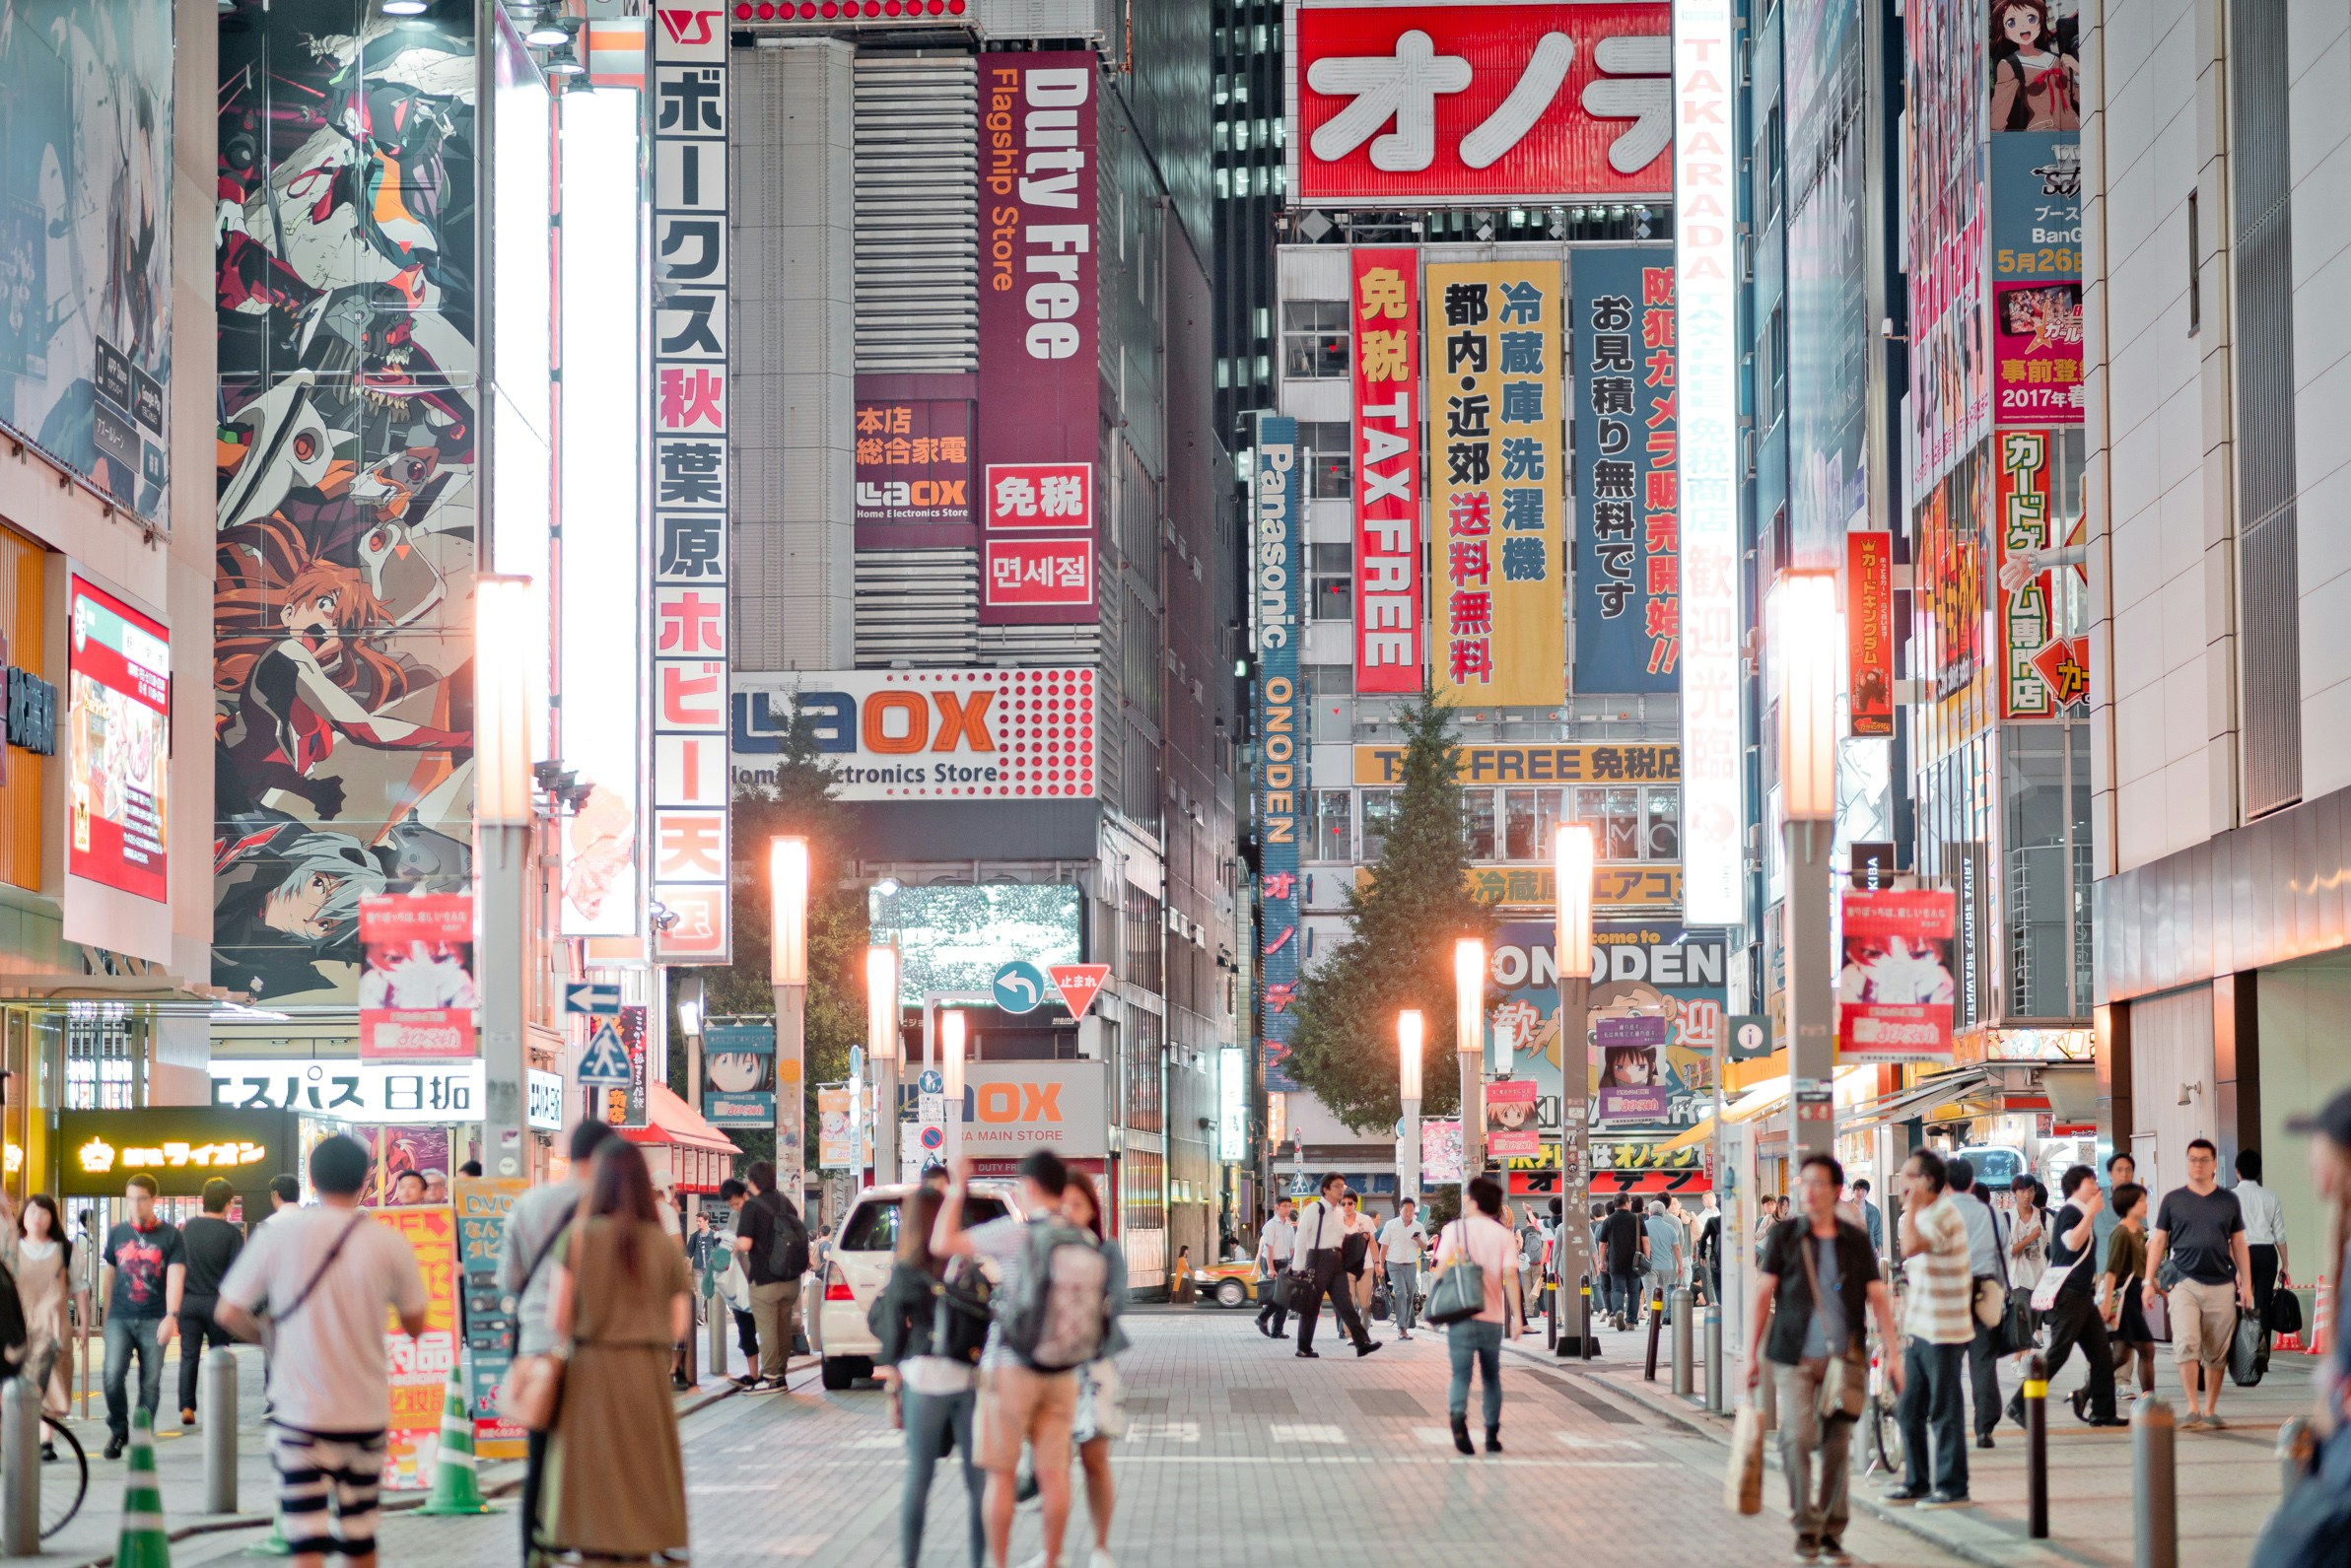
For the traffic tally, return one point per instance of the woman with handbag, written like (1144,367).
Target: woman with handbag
(930,1332)
(1100,1417)
(1819,1278)
(620,1297)
(1476,1298)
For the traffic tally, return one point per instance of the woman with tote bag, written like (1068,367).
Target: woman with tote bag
(1477,1240)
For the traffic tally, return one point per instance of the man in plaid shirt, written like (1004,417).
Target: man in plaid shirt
(1938,1324)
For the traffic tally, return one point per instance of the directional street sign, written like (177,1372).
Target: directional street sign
(605,1064)
(1079,983)
(587,996)
(1020,987)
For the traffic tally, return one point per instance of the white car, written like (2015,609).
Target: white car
(859,1265)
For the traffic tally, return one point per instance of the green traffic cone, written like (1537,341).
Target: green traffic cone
(142,1543)
(275,1543)
(456,1489)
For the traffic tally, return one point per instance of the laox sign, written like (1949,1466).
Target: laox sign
(923,734)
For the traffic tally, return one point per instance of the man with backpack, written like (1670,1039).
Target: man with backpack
(773,1244)
(1051,1308)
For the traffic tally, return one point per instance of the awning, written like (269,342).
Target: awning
(1918,1100)
(672,1121)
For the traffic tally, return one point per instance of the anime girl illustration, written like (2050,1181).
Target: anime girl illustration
(2048,316)
(1629,1067)
(2035,85)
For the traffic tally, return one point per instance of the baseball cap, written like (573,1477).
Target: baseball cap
(2333,1119)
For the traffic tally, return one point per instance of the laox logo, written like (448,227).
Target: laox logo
(892,722)
(900,493)
(1017,1101)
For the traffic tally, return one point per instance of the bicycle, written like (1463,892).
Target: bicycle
(63,1490)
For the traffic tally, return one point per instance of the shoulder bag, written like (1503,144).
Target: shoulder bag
(1845,1382)
(302,1297)
(533,1385)
(1459,1293)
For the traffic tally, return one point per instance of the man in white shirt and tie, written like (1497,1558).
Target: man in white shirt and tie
(1276,1245)
(2264,1230)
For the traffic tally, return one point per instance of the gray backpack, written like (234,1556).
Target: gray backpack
(1054,1309)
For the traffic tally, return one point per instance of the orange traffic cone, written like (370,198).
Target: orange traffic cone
(2323,1331)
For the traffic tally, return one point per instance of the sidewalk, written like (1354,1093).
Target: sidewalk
(2227,1480)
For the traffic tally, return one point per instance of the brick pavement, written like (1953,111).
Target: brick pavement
(1239,1452)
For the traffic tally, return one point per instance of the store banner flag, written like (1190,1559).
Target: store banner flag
(417,993)
(1383,293)
(1869,632)
(1512,1131)
(1278,518)
(419,1366)
(739,1068)
(1627,452)
(1498,576)
(483,1204)
(1634,1085)
(2043,670)
(1894,987)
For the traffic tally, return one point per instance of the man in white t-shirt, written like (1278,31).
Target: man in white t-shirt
(2264,1230)
(1402,1242)
(324,1278)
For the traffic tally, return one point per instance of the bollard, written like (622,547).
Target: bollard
(20,1469)
(1714,1399)
(2154,1484)
(2036,1396)
(1683,1375)
(720,1319)
(1657,1323)
(220,1430)
(2296,1447)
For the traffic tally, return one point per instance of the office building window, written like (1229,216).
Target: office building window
(1331,465)
(1334,835)
(1519,810)
(1379,814)
(1477,823)
(1314,338)
(1615,816)
(1332,580)
(1664,807)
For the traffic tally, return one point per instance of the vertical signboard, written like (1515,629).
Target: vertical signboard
(419,1366)
(1949,401)
(2043,670)
(738,1065)
(1829,330)
(417,995)
(1628,493)
(689,849)
(483,1204)
(1869,632)
(2037,276)
(1895,983)
(118,743)
(1385,284)
(1279,514)
(1500,569)
(1039,420)
(914,455)
(1706,313)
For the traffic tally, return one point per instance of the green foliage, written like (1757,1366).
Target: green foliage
(1399,951)
(802,802)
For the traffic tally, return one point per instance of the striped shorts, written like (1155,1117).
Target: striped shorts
(317,1470)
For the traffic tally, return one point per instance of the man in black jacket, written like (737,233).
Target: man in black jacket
(774,1249)
(210,1243)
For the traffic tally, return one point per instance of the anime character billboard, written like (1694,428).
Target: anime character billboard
(86,110)
(346,469)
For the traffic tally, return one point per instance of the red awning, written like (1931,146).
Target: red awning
(674,1122)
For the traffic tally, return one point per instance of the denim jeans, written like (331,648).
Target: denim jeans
(1404,1282)
(1932,1403)
(1473,1339)
(125,1334)
(1626,1289)
(932,1421)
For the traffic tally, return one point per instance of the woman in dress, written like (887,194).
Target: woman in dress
(44,1265)
(620,1297)
(1099,1417)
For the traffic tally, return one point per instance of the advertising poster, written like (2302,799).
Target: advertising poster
(420,1366)
(349,421)
(929,734)
(86,239)
(916,459)
(1829,330)
(1627,494)
(1495,484)
(1511,1130)
(394,1149)
(1383,293)
(417,995)
(1277,519)
(691,827)
(1549,102)
(835,1133)
(2036,262)
(1869,632)
(1441,1153)
(628,1108)
(738,1071)
(119,744)
(482,1205)
(1896,986)
(1039,423)
(2044,668)
(1949,578)
(1949,401)
(1631,1049)
(2037,337)
(2037,207)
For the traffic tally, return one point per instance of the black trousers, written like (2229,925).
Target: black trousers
(1330,1279)
(2075,1321)
(196,1329)
(1983,1378)
(534,1472)
(2263,1258)
(1270,1308)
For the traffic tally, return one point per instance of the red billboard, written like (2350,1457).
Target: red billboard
(1384,310)
(1039,422)
(118,743)
(917,462)
(1895,985)
(417,993)
(1869,630)
(1396,105)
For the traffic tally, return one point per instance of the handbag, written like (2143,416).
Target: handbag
(1844,1381)
(2248,1350)
(533,1388)
(2044,1294)
(1459,1293)
(1743,1483)
(1382,1302)
(2285,1313)
(2016,1331)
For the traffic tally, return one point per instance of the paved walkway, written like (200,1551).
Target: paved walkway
(2227,1480)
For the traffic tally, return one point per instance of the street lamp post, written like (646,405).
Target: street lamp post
(687,990)
(1410,1029)
(881,1048)
(502,819)
(788,971)
(1571,943)
(1807,630)
(1468,1047)
(950,1055)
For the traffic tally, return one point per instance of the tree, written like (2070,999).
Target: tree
(802,802)
(1399,950)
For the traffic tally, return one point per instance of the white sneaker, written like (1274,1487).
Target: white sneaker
(1100,1559)
(1038,1561)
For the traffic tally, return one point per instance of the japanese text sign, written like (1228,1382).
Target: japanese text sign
(419,1366)
(1869,632)
(181,1146)
(340,1089)
(1627,449)
(1894,986)
(2043,669)
(916,464)
(1500,573)
(1437,102)
(483,1204)
(1277,519)
(417,993)
(119,744)
(1387,380)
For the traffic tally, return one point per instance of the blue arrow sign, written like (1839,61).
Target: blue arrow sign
(605,1064)
(591,998)
(1020,987)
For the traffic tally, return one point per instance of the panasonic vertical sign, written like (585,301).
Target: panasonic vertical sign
(1280,789)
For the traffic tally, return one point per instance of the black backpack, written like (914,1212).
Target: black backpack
(786,1244)
(959,1313)
(2285,1314)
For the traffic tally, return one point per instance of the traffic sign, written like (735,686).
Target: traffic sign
(930,1082)
(597,1001)
(605,1062)
(934,1137)
(1079,983)
(1020,987)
